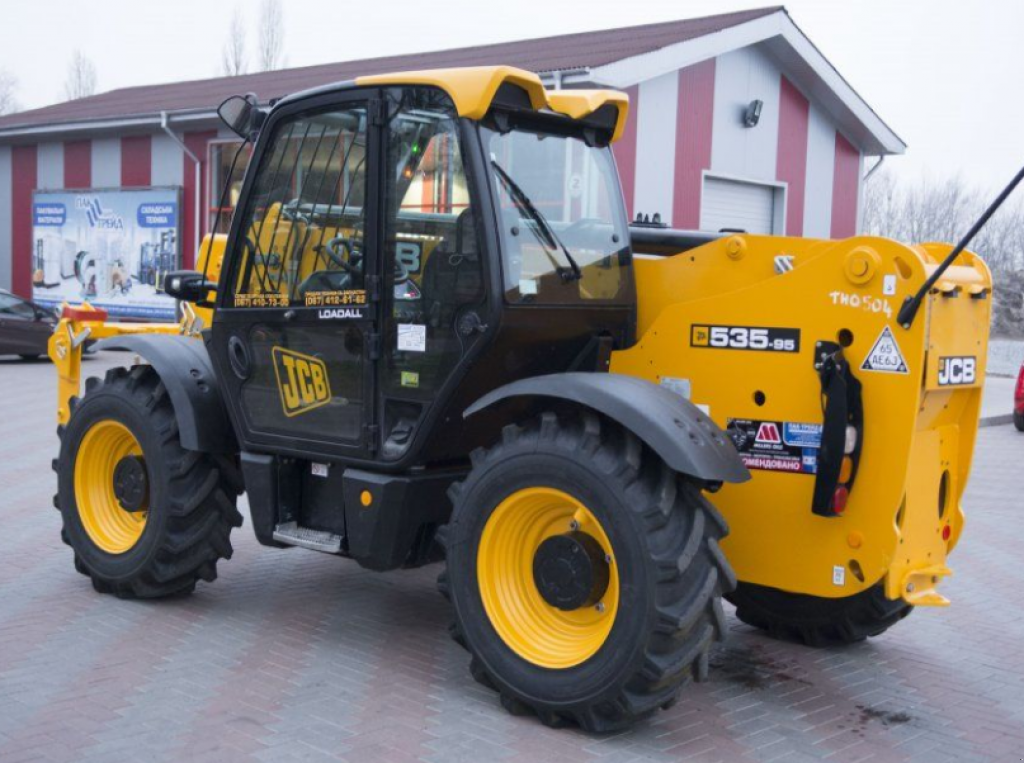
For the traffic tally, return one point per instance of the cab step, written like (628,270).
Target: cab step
(305,537)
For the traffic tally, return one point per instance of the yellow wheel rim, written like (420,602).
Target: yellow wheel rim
(108,525)
(535,630)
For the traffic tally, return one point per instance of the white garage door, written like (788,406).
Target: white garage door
(731,204)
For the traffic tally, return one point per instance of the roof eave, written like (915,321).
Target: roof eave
(795,52)
(55,130)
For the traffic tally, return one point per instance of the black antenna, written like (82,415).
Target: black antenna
(911,304)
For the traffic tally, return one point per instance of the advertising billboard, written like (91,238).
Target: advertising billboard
(108,247)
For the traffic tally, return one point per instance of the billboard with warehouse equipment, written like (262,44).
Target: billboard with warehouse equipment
(109,247)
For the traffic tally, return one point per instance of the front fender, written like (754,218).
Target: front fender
(183,366)
(673,427)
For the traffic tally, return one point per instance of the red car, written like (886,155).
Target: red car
(1018,401)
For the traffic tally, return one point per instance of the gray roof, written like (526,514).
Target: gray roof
(548,54)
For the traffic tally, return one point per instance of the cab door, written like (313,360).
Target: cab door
(295,331)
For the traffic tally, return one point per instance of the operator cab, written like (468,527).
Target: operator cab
(404,246)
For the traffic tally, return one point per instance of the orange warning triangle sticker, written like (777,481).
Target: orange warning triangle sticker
(885,356)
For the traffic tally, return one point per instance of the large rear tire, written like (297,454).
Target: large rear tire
(145,517)
(815,620)
(601,656)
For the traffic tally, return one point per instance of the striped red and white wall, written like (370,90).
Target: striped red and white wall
(130,161)
(688,124)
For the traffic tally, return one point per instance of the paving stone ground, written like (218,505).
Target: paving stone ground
(293,655)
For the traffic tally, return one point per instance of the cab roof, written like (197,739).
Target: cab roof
(473,90)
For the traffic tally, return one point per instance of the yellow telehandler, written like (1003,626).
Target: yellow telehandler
(432,334)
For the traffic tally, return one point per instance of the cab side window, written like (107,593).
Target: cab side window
(432,249)
(305,222)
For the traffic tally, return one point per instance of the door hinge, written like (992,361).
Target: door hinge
(373,288)
(378,112)
(372,432)
(373,345)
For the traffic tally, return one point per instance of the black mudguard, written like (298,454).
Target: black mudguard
(183,366)
(673,427)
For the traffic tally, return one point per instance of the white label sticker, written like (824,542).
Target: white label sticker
(527,287)
(412,337)
(838,575)
(885,356)
(889,285)
(319,470)
(680,386)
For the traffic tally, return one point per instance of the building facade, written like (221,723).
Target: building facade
(736,121)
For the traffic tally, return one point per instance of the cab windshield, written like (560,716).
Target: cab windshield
(563,227)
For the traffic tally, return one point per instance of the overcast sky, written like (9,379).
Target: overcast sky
(947,75)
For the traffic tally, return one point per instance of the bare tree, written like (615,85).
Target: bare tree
(81,81)
(8,93)
(233,58)
(943,210)
(271,36)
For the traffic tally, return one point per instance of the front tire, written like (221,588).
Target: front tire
(815,620)
(1018,421)
(145,517)
(534,504)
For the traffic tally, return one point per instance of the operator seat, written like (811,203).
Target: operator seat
(453,277)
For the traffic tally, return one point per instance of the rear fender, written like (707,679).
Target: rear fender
(685,439)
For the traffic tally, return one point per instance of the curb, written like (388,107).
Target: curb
(995,421)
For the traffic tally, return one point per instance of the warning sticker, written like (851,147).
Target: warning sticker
(885,356)
(776,446)
(412,337)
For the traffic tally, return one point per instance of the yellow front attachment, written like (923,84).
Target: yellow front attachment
(108,525)
(529,626)
(735,324)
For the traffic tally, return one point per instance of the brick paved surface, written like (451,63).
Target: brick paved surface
(294,655)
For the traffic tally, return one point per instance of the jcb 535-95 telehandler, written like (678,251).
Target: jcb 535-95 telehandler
(431,334)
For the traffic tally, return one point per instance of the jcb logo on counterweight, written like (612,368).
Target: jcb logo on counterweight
(957,370)
(302,381)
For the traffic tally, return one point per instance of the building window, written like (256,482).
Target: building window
(221,155)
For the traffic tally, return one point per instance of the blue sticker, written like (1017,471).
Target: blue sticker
(810,461)
(157,215)
(50,215)
(801,435)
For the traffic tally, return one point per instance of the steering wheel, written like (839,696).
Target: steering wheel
(353,260)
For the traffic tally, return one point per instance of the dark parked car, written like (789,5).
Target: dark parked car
(1018,401)
(25,327)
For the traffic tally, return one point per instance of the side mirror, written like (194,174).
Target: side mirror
(188,286)
(237,113)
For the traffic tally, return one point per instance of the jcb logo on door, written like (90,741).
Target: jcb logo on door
(302,381)
(957,370)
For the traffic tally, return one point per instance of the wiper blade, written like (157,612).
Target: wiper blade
(553,241)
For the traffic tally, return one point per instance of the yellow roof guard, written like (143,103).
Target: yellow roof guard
(475,89)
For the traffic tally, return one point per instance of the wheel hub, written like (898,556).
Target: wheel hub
(131,484)
(571,571)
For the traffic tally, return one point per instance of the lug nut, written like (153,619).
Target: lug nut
(574,525)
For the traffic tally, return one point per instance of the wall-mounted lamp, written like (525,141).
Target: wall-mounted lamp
(752,115)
